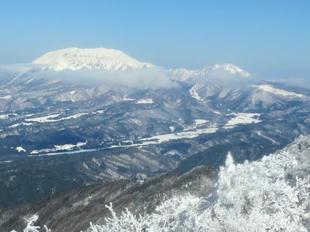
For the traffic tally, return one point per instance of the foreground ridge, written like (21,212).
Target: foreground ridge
(267,195)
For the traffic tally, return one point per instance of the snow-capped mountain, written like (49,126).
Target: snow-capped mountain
(278,92)
(53,113)
(97,58)
(225,68)
(217,70)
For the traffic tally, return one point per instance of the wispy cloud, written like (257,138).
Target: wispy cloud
(139,78)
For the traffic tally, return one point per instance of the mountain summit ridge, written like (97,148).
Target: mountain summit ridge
(90,58)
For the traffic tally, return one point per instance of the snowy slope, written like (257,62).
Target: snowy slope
(271,194)
(182,74)
(227,68)
(276,91)
(267,195)
(97,58)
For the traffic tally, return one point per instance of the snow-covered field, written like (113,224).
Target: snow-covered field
(276,91)
(7,97)
(242,118)
(57,148)
(54,118)
(20,124)
(145,101)
(199,127)
(4,116)
(20,149)
(157,139)
(199,122)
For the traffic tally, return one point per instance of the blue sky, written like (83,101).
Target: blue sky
(271,37)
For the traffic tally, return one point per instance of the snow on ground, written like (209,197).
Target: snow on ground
(56,148)
(276,91)
(4,116)
(43,119)
(259,133)
(176,136)
(172,128)
(7,97)
(271,194)
(264,195)
(7,116)
(242,118)
(20,124)
(145,101)
(20,149)
(53,118)
(6,161)
(200,127)
(125,98)
(75,116)
(194,94)
(200,122)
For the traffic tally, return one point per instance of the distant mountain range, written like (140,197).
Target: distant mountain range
(86,116)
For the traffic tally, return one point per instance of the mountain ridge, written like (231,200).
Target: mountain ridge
(91,58)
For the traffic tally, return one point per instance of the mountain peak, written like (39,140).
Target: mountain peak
(210,71)
(227,68)
(94,58)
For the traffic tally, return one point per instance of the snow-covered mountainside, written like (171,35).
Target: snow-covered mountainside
(210,71)
(228,68)
(276,91)
(97,58)
(73,129)
(267,195)
(271,194)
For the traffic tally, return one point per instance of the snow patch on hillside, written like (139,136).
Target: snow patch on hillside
(145,101)
(7,97)
(242,118)
(276,91)
(57,148)
(54,118)
(20,149)
(193,92)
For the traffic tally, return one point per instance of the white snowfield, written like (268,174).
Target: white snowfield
(145,101)
(96,58)
(4,116)
(242,118)
(199,127)
(194,94)
(20,124)
(53,118)
(57,148)
(43,119)
(7,97)
(157,139)
(20,149)
(230,69)
(277,91)
(199,122)
(271,194)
